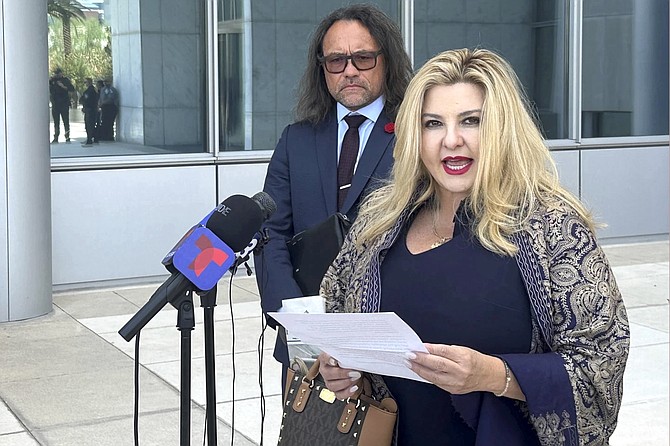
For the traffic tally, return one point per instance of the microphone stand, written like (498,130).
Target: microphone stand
(185,325)
(178,291)
(208,302)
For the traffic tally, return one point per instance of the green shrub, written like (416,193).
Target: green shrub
(91,54)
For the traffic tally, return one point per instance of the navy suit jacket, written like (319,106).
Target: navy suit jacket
(302,179)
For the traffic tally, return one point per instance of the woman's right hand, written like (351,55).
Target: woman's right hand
(342,382)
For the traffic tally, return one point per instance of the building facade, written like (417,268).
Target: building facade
(207,86)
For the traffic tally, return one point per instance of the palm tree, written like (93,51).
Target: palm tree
(66,11)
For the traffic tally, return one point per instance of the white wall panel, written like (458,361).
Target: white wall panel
(567,163)
(118,224)
(245,179)
(628,190)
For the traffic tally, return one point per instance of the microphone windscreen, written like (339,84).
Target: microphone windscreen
(235,221)
(267,204)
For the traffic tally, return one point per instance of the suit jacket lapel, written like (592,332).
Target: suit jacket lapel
(326,154)
(378,143)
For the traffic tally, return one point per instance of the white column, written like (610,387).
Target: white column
(25,172)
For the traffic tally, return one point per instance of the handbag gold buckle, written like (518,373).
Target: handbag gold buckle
(327,395)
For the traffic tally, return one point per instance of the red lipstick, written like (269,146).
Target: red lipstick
(456,165)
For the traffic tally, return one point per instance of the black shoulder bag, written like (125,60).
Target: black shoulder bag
(314,249)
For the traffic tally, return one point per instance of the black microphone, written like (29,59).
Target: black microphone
(205,253)
(236,232)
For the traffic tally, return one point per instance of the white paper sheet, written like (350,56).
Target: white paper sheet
(370,342)
(306,304)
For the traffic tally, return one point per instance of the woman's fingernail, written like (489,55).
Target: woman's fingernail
(408,364)
(332,362)
(410,355)
(355,376)
(353,389)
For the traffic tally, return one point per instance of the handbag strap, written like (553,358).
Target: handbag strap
(313,371)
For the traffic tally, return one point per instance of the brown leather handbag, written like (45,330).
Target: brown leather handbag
(314,416)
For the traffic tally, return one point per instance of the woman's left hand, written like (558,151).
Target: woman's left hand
(455,369)
(342,382)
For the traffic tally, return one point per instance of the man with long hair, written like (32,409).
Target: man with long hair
(356,74)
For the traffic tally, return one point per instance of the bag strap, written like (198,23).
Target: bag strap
(313,371)
(343,216)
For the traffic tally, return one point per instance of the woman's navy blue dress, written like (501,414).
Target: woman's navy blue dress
(457,294)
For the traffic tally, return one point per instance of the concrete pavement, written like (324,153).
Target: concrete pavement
(67,378)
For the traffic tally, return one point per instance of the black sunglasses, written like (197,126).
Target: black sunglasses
(362,60)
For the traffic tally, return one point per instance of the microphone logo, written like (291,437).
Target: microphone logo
(203,258)
(208,254)
(223,209)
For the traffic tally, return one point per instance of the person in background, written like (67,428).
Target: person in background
(356,74)
(99,85)
(89,103)
(60,88)
(475,244)
(109,108)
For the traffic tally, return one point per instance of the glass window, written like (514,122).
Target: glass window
(625,68)
(272,38)
(530,34)
(231,82)
(230,10)
(231,92)
(153,52)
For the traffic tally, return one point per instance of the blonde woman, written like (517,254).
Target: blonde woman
(476,245)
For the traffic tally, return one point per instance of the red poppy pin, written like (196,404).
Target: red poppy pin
(389,127)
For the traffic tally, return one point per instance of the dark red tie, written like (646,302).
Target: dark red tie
(348,156)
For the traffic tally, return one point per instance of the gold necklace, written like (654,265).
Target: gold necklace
(440,240)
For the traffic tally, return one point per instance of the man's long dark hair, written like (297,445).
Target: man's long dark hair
(314,99)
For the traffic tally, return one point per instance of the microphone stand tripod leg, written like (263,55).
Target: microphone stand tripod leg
(185,324)
(208,302)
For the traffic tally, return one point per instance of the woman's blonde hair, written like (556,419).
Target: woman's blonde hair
(516,170)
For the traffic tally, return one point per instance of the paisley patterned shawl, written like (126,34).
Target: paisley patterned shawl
(573,376)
